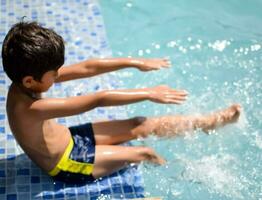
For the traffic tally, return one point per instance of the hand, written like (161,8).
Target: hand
(166,95)
(149,64)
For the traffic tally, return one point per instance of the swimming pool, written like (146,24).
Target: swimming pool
(215,48)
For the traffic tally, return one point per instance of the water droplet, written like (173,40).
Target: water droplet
(140,52)
(129,5)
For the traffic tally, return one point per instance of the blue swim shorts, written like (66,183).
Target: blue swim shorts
(77,163)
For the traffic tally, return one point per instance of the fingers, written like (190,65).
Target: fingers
(161,63)
(175,99)
(165,94)
(172,96)
(165,63)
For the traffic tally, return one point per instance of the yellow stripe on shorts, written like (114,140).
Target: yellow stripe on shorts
(66,164)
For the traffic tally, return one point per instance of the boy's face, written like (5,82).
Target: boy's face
(46,82)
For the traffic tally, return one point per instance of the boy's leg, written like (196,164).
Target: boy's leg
(117,131)
(175,125)
(111,158)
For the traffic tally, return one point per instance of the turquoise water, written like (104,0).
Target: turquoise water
(216,53)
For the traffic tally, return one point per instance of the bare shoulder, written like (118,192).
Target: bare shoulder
(20,119)
(17,100)
(18,106)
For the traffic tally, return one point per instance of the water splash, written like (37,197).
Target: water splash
(213,172)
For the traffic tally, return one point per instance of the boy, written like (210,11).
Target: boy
(32,58)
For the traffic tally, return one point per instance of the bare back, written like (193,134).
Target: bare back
(43,141)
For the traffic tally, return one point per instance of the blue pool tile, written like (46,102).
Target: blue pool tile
(23,188)
(130,196)
(93,34)
(117,190)
(94,197)
(34,195)
(96,87)
(11,14)
(49,12)
(23,172)
(2,190)
(2,116)
(2,129)
(96,51)
(59,195)
(10,157)
(72,11)
(70,195)
(58,23)
(10,137)
(128,189)
(139,195)
(78,42)
(106,191)
(22,180)
(48,196)
(81,57)
(11,197)
(61,120)
(2,181)
(66,18)
(58,185)
(35,179)
(139,189)
(47,186)
(87,47)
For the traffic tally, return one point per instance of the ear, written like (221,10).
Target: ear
(28,81)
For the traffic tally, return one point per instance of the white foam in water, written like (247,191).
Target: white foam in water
(258,140)
(219,45)
(214,172)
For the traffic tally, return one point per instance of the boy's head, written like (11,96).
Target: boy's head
(31,50)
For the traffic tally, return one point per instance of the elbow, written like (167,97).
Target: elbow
(101,99)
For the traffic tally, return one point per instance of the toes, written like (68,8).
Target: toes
(236,107)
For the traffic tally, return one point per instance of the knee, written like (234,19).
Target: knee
(139,120)
(140,129)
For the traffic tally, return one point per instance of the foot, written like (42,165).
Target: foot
(221,118)
(156,159)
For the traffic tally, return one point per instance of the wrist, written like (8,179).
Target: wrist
(149,93)
(136,62)
(131,62)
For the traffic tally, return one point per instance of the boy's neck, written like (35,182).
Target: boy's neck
(28,92)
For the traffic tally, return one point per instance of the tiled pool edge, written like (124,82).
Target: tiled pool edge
(21,179)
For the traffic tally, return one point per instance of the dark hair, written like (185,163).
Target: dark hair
(31,50)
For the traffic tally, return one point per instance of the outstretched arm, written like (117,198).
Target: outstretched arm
(94,67)
(62,107)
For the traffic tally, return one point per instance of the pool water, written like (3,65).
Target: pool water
(216,53)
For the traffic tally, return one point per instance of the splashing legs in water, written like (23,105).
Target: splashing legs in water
(109,133)
(177,125)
